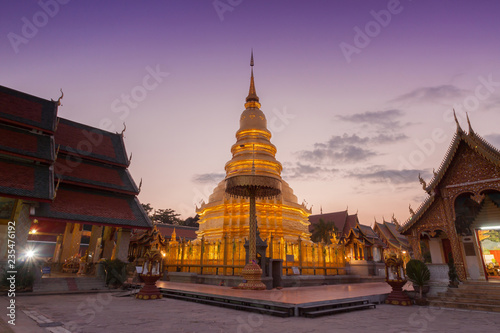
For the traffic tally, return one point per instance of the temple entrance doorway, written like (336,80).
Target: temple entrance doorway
(489,243)
(478,227)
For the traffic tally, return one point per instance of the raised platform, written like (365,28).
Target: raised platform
(284,302)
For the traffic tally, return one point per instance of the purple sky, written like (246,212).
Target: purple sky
(355,116)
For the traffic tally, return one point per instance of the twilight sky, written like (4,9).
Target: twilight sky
(358,94)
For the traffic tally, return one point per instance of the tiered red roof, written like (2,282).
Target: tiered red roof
(91,166)
(27,153)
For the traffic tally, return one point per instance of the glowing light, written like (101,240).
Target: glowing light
(30,254)
(494,227)
(33,231)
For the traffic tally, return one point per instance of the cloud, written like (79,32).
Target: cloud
(437,94)
(386,119)
(391,176)
(205,178)
(348,148)
(389,138)
(494,139)
(300,171)
(339,149)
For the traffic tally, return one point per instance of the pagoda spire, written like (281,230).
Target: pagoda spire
(252,100)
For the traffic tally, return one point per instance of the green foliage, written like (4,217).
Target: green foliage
(169,216)
(418,272)
(148,209)
(191,221)
(323,231)
(116,272)
(25,276)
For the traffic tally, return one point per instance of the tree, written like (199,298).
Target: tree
(323,231)
(148,209)
(192,221)
(166,216)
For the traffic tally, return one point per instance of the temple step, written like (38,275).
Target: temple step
(313,311)
(467,306)
(479,296)
(237,304)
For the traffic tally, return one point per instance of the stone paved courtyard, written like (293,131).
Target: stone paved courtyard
(108,313)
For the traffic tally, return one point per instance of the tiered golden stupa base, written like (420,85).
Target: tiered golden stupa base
(252,274)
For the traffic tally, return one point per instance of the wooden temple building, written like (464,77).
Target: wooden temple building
(364,246)
(461,215)
(64,185)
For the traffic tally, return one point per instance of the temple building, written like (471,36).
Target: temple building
(65,185)
(394,241)
(281,217)
(461,215)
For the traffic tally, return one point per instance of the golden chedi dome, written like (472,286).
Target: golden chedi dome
(281,216)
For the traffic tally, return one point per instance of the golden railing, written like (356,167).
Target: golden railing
(227,257)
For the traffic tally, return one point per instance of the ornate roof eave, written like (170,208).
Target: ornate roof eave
(474,141)
(450,153)
(418,214)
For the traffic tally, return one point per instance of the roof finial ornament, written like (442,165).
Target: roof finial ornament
(412,212)
(140,185)
(396,222)
(456,120)
(57,188)
(58,102)
(252,100)
(434,172)
(471,131)
(422,181)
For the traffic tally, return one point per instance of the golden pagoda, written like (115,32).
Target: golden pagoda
(225,215)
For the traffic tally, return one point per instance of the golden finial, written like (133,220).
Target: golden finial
(58,102)
(140,185)
(123,130)
(456,121)
(412,212)
(334,239)
(471,131)
(252,100)
(422,181)
(57,188)
(395,221)
(173,236)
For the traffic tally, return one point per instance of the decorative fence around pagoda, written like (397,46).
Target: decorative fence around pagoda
(227,257)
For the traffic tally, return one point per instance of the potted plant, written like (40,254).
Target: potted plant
(418,273)
(452,272)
